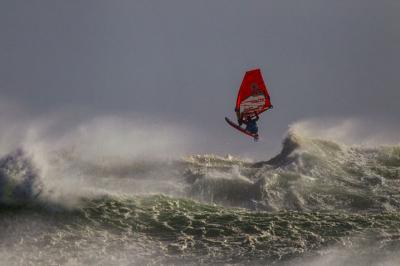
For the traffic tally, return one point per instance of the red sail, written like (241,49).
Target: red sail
(253,95)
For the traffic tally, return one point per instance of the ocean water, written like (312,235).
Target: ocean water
(317,202)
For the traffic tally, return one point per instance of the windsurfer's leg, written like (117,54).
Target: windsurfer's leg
(256,138)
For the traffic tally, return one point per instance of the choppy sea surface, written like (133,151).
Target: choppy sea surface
(317,202)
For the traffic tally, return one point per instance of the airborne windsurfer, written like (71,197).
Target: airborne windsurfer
(252,100)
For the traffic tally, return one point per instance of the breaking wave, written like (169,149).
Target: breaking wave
(308,174)
(19,180)
(316,197)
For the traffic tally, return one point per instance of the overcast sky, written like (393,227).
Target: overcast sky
(184,60)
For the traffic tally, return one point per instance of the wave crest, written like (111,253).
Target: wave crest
(19,179)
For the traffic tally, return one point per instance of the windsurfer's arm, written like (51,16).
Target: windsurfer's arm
(239,118)
(256,115)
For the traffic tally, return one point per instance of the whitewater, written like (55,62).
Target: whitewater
(91,197)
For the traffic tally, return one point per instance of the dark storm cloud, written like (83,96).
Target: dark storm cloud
(185,59)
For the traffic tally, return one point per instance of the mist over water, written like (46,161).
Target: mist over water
(120,191)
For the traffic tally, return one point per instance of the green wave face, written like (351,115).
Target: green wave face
(163,230)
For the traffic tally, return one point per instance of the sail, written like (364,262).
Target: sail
(253,96)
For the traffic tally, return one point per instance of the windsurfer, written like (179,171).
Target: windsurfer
(253,97)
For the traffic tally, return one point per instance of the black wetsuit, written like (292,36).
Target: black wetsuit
(251,124)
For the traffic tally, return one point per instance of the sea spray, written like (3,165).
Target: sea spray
(316,202)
